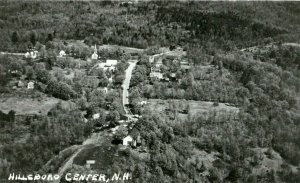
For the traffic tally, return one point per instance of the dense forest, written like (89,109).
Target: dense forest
(140,25)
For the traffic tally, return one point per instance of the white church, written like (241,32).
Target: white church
(95,55)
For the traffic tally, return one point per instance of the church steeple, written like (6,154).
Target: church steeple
(95,55)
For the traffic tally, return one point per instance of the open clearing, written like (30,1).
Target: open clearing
(193,108)
(23,106)
(67,73)
(269,161)
(123,48)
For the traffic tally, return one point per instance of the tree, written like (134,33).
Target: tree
(43,76)
(60,90)
(120,133)
(113,116)
(29,72)
(49,37)
(15,37)
(119,79)
(33,38)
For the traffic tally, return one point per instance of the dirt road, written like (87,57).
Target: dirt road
(96,138)
(16,54)
(126,83)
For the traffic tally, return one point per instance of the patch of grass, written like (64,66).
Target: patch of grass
(23,106)
(183,108)
(103,155)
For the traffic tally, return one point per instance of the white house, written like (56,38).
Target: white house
(30,85)
(127,140)
(95,55)
(143,102)
(111,65)
(105,90)
(151,59)
(156,75)
(173,75)
(108,65)
(89,163)
(27,55)
(31,54)
(155,69)
(96,116)
(62,53)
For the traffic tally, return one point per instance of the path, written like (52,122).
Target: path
(94,139)
(67,164)
(291,44)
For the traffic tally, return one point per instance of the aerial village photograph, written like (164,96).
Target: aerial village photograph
(142,91)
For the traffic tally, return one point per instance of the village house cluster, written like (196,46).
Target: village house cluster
(177,56)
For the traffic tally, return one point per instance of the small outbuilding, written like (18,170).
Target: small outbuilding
(143,102)
(96,116)
(20,84)
(89,163)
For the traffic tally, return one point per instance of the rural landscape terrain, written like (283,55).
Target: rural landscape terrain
(153,91)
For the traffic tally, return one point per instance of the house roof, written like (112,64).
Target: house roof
(62,52)
(111,62)
(128,138)
(90,161)
(96,116)
(173,75)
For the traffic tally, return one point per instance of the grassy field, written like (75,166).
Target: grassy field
(23,105)
(124,48)
(193,108)
(67,73)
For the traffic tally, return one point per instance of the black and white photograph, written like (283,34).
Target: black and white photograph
(149,91)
